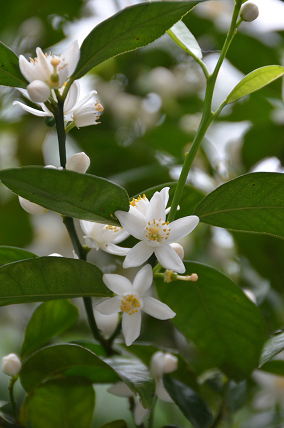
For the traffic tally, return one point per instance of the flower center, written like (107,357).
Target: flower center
(112,228)
(130,304)
(135,201)
(157,231)
(54,76)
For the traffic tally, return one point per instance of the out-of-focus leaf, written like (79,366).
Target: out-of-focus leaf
(271,348)
(48,320)
(275,367)
(115,424)
(252,202)
(218,317)
(10,74)
(48,278)
(62,403)
(194,408)
(254,81)
(185,39)
(13,254)
(69,193)
(133,27)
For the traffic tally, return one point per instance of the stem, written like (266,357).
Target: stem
(11,395)
(115,333)
(79,249)
(151,417)
(59,120)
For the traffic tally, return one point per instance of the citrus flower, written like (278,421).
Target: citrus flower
(130,300)
(47,72)
(11,365)
(146,221)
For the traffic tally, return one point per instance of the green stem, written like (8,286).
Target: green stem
(79,249)
(11,395)
(59,120)
(115,333)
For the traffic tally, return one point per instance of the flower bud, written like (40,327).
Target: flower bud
(178,249)
(31,207)
(106,323)
(170,363)
(249,12)
(79,162)
(250,294)
(11,365)
(38,91)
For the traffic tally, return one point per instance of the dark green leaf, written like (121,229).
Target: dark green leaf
(194,408)
(252,202)
(236,394)
(115,424)
(13,254)
(129,29)
(216,314)
(62,403)
(10,74)
(271,348)
(48,278)
(48,320)
(69,193)
(276,367)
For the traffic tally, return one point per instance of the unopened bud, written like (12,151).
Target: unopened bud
(162,362)
(250,295)
(79,162)
(170,363)
(249,12)
(55,255)
(38,91)
(31,207)
(11,365)
(178,249)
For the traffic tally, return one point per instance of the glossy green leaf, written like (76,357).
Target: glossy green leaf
(133,27)
(48,320)
(275,367)
(10,74)
(62,403)
(185,39)
(255,80)
(218,317)
(252,203)
(194,408)
(120,423)
(48,278)
(271,348)
(13,254)
(69,193)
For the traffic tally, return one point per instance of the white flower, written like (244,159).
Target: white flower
(106,323)
(104,237)
(79,162)
(11,365)
(31,207)
(129,300)
(146,221)
(50,69)
(82,112)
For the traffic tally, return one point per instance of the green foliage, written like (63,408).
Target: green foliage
(185,39)
(115,424)
(275,367)
(67,192)
(48,278)
(10,74)
(13,254)
(271,348)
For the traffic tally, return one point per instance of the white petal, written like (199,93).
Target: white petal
(182,227)
(115,249)
(131,325)
(157,309)
(38,91)
(134,224)
(143,280)
(86,226)
(72,97)
(162,393)
(71,56)
(137,255)
(117,283)
(31,110)
(85,99)
(169,259)
(165,195)
(121,236)
(120,389)
(109,306)
(28,69)
(156,208)
(139,413)
(44,67)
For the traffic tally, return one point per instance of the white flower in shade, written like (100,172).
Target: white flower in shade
(104,237)
(147,222)
(81,112)
(79,162)
(106,323)
(130,300)
(11,365)
(47,72)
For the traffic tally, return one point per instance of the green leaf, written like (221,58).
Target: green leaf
(10,74)
(62,403)
(69,193)
(133,27)
(49,278)
(218,317)
(48,320)
(120,423)
(276,367)
(252,203)
(271,348)
(255,80)
(194,408)
(183,37)
(13,254)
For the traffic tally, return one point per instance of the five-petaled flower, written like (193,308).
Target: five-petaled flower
(146,221)
(130,300)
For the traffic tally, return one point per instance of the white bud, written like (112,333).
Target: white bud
(38,91)
(11,365)
(249,12)
(170,363)
(250,294)
(31,207)
(106,323)
(54,255)
(178,249)
(79,162)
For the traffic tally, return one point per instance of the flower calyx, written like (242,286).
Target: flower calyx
(170,276)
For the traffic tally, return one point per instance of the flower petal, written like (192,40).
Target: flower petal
(122,235)
(169,259)
(115,249)
(120,389)
(32,110)
(157,309)
(134,224)
(139,413)
(162,393)
(86,226)
(109,306)
(182,227)
(156,208)
(131,325)
(28,69)
(117,283)
(138,255)
(165,195)
(71,56)
(72,97)
(143,280)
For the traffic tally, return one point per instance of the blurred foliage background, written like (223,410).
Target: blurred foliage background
(153,101)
